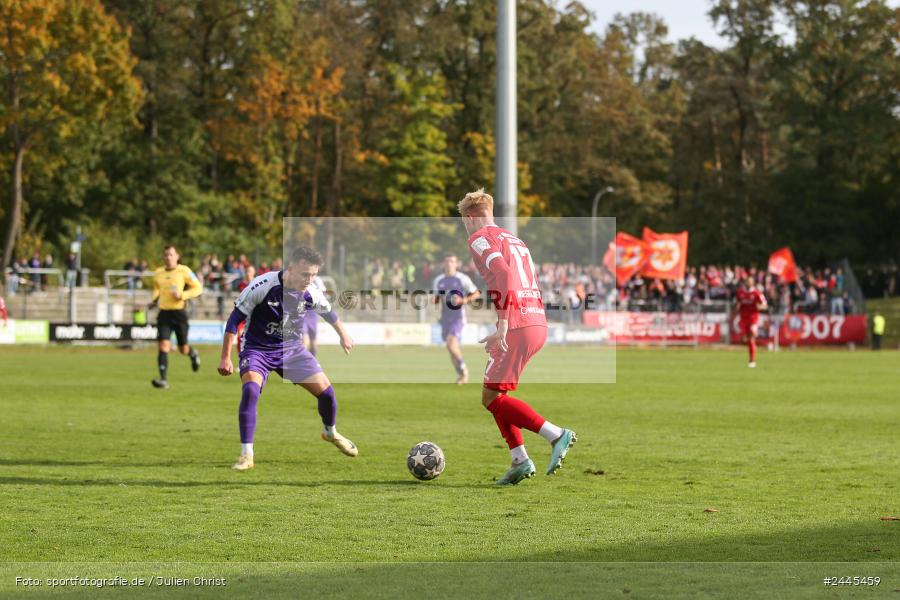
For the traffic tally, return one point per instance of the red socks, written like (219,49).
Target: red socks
(510,433)
(512,415)
(752,345)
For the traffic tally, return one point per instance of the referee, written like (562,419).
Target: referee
(173,284)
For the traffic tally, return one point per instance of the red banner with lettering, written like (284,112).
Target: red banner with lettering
(668,254)
(809,330)
(781,263)
(657,328)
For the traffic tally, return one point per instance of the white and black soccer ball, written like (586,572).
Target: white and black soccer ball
(425,461)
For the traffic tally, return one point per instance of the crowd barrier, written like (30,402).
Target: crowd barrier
(597,327)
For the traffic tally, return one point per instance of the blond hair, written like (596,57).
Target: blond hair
(476,203)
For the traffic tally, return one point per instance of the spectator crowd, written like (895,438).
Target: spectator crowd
(816,291)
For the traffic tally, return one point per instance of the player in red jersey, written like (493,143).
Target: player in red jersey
(749,301)
(503,260)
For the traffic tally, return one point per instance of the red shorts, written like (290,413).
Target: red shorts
(504,368)
(749,326)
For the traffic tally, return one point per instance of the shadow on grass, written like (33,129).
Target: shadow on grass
(236,480)
(46,462)
(494,580)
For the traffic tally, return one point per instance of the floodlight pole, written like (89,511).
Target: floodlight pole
(597,196)
(506,120)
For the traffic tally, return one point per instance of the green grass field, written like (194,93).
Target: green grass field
(101,475)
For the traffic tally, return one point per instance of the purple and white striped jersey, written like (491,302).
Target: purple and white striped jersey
(275,313)
(459,285)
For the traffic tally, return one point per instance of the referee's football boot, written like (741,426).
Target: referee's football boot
(195,359)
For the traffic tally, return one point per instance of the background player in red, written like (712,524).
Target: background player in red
(750,301)
(503,260)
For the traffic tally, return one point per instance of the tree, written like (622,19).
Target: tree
(842,123)
(417,170)
(64,65)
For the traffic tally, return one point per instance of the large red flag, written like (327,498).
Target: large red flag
(625,257)
(668,254)
(781,263)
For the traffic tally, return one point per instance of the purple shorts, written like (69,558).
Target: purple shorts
(454,327)
(295,364)
(311,324)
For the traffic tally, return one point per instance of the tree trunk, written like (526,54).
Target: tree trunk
(717,153)
(15,215)
(317,161)
(334,198)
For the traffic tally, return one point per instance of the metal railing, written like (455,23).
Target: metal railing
(27,280)
(122,284)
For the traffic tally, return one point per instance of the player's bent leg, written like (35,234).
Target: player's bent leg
(488,395)
(518,414)
(191,352)
(319,386)
(522,466)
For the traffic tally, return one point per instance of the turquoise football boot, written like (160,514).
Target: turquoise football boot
(517,473)
(560,449)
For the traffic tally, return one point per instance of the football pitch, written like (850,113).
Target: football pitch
(693,477)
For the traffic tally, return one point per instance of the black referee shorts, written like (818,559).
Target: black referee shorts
(172,320)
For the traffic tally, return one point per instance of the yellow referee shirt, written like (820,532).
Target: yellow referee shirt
(180,280)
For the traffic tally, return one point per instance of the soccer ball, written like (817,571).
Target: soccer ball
(425,461)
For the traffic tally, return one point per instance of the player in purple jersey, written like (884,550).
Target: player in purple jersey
(274,307)
(311,322)
(453,289)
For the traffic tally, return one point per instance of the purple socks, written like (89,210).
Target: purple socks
(247,411)
(250,398)
(328,407)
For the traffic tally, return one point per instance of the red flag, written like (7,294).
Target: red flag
(781,263)
(625,257)
(668,254)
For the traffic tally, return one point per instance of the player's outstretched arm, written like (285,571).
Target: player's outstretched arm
(346,340)
(226,367)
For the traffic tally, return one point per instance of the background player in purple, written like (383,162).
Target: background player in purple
(311,322)
(274,307)
(454,289)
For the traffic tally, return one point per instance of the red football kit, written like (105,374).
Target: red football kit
(748,305)
(505,263)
